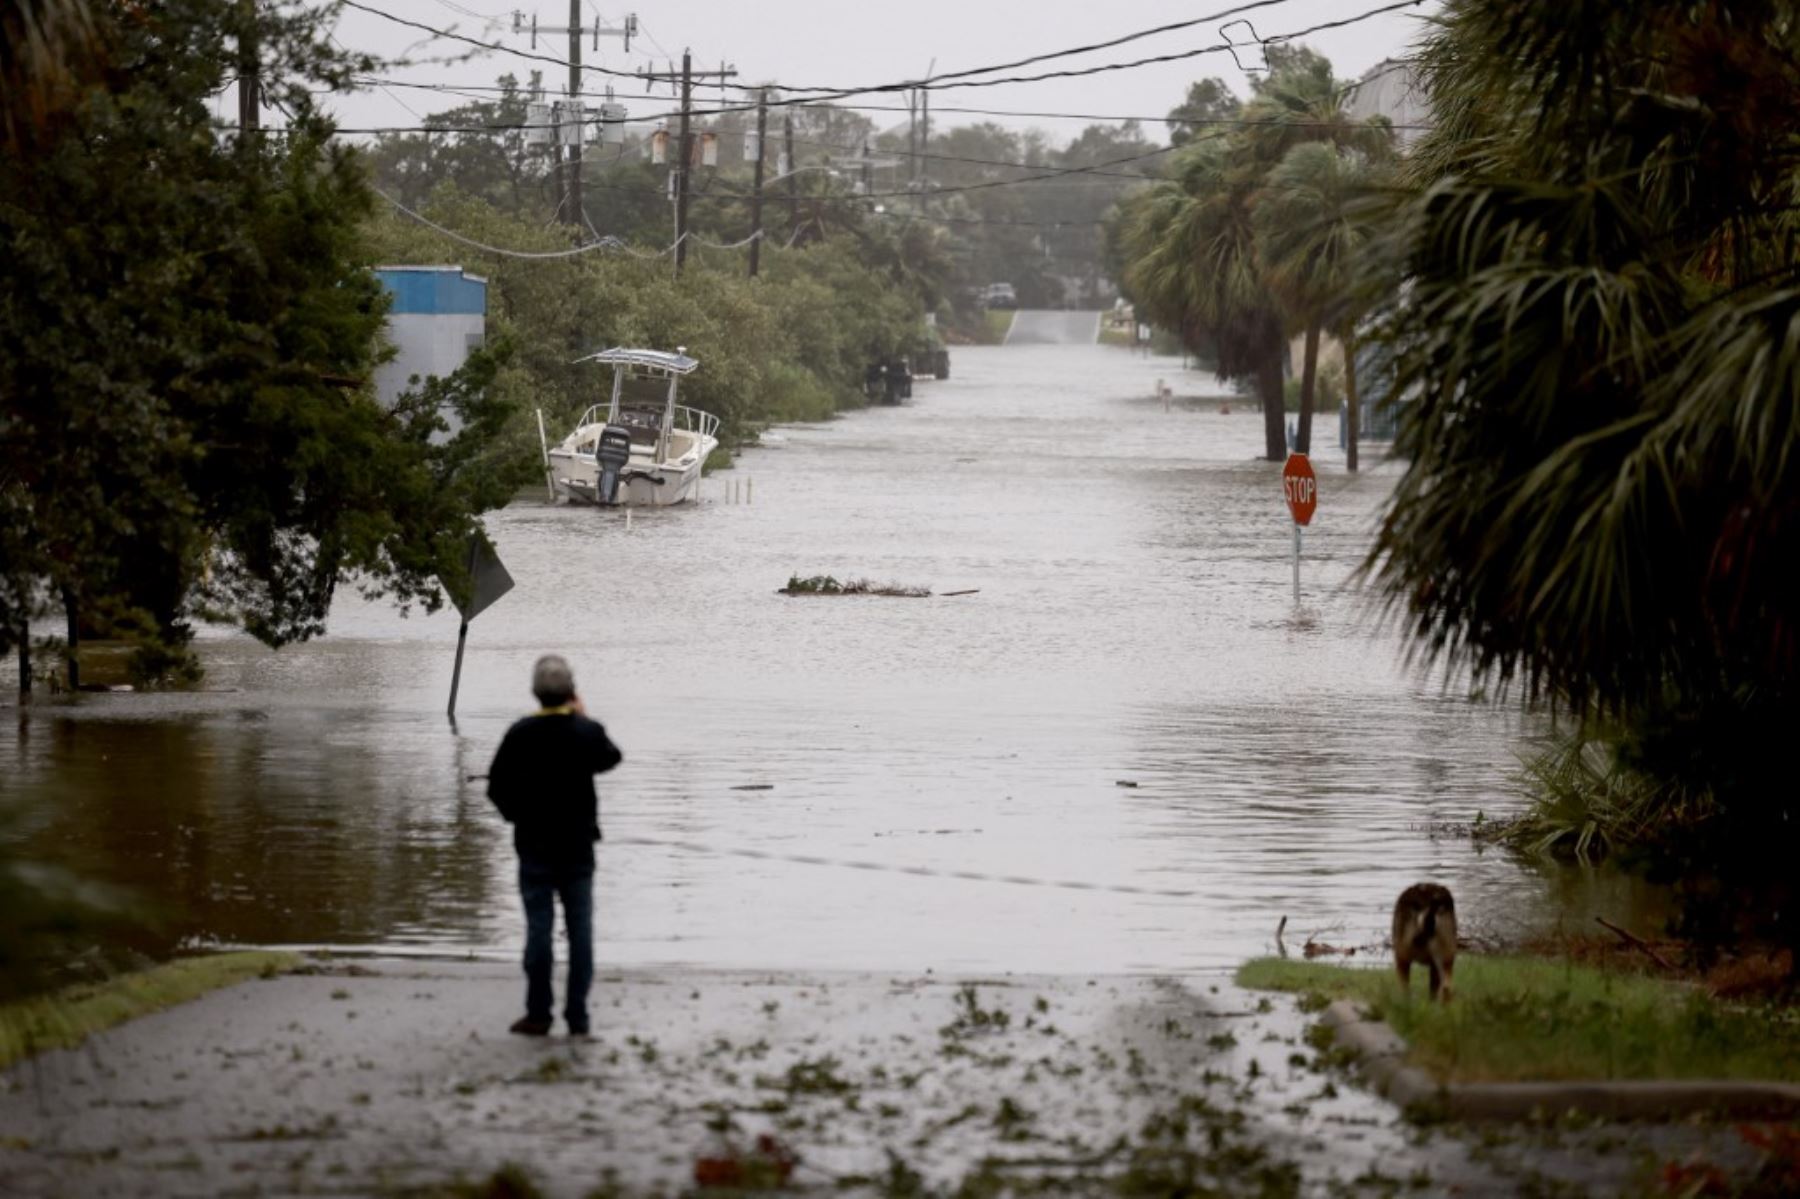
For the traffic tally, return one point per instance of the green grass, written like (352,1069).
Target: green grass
(1516,1019)
(998,322)
(66,1018)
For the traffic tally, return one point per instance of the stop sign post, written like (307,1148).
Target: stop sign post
(1301,487)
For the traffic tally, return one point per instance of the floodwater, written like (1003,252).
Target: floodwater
(1135,622)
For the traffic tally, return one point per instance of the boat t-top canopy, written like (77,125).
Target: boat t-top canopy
(656,360)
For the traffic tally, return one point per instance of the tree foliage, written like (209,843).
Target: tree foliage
(1598,346)
(1239,247)
(791,344)
(188,424)
(1598,342)
(955,222)
(1210,104)
(1313,241)
(46,54)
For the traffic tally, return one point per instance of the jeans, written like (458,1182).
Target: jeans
(540,885)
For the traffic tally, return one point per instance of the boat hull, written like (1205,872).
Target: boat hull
(576,478)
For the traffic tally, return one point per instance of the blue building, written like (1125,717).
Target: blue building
(439,314)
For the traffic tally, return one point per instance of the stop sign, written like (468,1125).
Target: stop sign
(1301,488)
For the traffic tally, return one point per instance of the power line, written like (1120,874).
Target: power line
(1083,72)
(453,235)
(944,80)
(890,214)
(490,18)
(947,79)
(498,47)
(605,242)
(473,91)
(514,126)
(986,162)
(960,81)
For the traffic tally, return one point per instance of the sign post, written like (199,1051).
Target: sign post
(486,582)
(1301,487)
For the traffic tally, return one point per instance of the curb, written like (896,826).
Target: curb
(1382,1057)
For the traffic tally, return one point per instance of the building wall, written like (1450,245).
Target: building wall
(1391,89)
(426,344)
(439,314)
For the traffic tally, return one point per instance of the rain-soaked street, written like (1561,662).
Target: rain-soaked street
(1134,623)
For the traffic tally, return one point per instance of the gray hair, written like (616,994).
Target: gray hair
(552,681)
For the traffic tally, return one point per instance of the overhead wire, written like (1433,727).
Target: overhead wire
(1173,27)
(740,196)
(959,80)
(1092,169)
(470,91)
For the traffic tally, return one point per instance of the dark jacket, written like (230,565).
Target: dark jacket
(542,780)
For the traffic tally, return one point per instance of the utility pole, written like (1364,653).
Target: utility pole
(924,141)
(684,154)
(682,170)
(868,170)
(572,180)
(793,179)
(249,69)
(924,176)
(912,134)
(756,201)
(574,112)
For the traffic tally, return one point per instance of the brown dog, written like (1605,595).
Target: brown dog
(1425,931)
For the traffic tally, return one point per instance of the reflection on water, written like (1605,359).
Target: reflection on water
(1135,622)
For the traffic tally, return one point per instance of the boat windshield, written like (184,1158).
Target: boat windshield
(643,400)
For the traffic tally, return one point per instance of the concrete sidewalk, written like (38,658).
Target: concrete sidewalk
(400,1078)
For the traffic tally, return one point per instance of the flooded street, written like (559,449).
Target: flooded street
(1134,622)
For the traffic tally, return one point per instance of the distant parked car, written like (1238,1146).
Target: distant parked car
(1000,295)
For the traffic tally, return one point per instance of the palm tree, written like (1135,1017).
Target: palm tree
(1301,104)
(1191,263)
(1191,250)
(1599,343)
(1313,242)
(1598,338)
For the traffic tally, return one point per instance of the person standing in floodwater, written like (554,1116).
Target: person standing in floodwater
(542,780)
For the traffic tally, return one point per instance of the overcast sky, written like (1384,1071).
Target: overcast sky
(846,43)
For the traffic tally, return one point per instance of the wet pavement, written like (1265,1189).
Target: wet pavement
(404,1076)
(397,1079)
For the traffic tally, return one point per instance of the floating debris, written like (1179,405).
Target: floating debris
(828,585)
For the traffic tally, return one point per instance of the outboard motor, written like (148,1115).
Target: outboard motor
(612,455)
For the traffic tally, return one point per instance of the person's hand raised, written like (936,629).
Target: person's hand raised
(576,706)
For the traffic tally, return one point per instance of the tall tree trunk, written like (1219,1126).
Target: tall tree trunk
(24,662)
(1309,381)
(1268,385)
(1354,421)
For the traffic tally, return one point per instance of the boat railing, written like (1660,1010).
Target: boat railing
(687,420)
(692,420)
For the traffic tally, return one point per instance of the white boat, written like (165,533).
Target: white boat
(641,448)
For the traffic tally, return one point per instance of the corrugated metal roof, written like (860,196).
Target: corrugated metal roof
(662,360)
